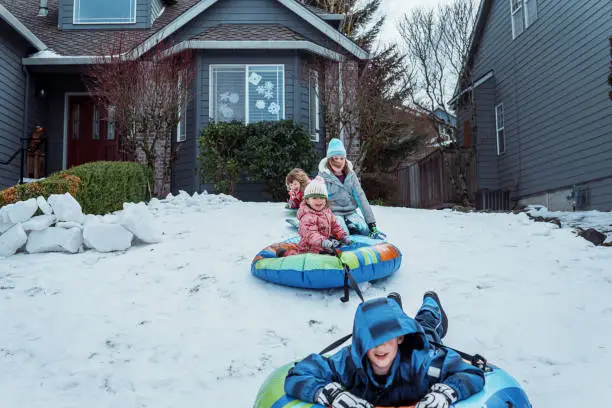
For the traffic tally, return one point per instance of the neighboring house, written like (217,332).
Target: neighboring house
(253,59)
(537,109)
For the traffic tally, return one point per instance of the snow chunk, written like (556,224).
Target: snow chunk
(12,240)
(55,240)
(20,211)
(38,223)
(137,219)
(44,206)
(66,208)
(68,225)
(107,237)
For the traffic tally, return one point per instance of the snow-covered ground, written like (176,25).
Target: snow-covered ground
(184,324)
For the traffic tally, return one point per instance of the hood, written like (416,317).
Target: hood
(325,170)
(379,320)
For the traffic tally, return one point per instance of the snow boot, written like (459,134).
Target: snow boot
(435,297)
(280,252)
(396,296)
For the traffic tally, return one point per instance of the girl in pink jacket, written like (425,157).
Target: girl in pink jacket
(319,230)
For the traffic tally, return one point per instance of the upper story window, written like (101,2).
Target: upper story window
(523,14)
(104,12)
(499,129)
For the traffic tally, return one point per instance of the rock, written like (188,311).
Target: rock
(20,211)
(12,240)
(44,206)
(107,237)
(38,223)
(55,239)
(66,208)
(137,219)
(553,220)
(592,235)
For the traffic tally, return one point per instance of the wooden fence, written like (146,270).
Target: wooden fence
(442,177)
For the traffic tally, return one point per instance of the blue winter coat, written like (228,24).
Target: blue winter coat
(417,366)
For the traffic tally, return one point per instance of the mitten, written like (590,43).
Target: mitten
(328,243)
(347,240)
(375,233)
(335,396)
(441,396)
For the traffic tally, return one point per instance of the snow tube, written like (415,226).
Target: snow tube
(500,391)
(368,259)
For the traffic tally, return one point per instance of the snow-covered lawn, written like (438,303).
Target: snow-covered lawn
(184,324)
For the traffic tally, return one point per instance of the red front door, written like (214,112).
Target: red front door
(91,135)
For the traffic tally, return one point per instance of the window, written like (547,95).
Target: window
(313,105)
(181,127)
(499,127)
(95,135)
(76,112)
(110,124)
(523,14)
(104,12)
(248,93)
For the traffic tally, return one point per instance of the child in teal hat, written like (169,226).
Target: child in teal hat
(345,192)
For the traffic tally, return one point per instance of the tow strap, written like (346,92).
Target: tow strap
(348,279)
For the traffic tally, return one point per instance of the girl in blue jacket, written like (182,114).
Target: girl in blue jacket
(390,362)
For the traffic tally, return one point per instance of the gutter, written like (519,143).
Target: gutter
(21,29)
(475,85)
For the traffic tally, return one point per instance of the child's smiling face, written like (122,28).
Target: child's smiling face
(317,203)
(294,186)
(381,357)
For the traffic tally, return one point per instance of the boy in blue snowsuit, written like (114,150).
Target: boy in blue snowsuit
(390,362)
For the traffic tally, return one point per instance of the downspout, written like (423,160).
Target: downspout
(26,103)
(340,101)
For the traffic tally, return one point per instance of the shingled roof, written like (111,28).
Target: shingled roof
(249,32)
(84,42)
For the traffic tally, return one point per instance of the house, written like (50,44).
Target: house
(533,101)
(45,46)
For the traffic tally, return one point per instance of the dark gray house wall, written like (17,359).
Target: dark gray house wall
(486,141)
(12,99)
(552,82)
(66,16)
(253,12)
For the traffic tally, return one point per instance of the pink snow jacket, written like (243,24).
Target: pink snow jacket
(315,227)
(295,199)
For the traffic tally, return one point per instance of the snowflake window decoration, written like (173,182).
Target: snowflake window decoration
(269,86)
(260,104)
(261,90)
(226,111)
(234,98)
(255,78)
(274,108)
(268,95)
(224,97)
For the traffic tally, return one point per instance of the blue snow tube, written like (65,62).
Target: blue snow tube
(368,259)
(501,390)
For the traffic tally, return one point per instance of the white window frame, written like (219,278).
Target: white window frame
(526,19)
(103,20)
(211,96)
(314,75)
(500,149)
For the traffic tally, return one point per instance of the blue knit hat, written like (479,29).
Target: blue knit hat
(336,148)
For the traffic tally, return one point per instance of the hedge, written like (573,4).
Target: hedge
(100,187)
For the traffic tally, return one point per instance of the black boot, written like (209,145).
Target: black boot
(396,296)
(435,297)
(280,252)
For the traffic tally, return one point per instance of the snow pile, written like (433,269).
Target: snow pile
(600,221)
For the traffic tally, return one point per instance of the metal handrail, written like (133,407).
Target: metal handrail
(22,150)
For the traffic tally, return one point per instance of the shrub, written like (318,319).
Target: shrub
(263,151)
(380,188)
(273,149)
(222,155)
(105,186)
(55,184)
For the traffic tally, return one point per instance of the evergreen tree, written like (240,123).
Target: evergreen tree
(360,23)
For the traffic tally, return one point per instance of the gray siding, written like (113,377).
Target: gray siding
(66,15)
(12,97)
(486,137)
(253,12)
(552,81)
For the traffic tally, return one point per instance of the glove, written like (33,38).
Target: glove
(441,396)
(347,240)
(328,243)
(375,233)
(335,396)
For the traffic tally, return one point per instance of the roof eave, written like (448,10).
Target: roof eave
(21,29)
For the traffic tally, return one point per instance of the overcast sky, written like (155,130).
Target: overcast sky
(394,9)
